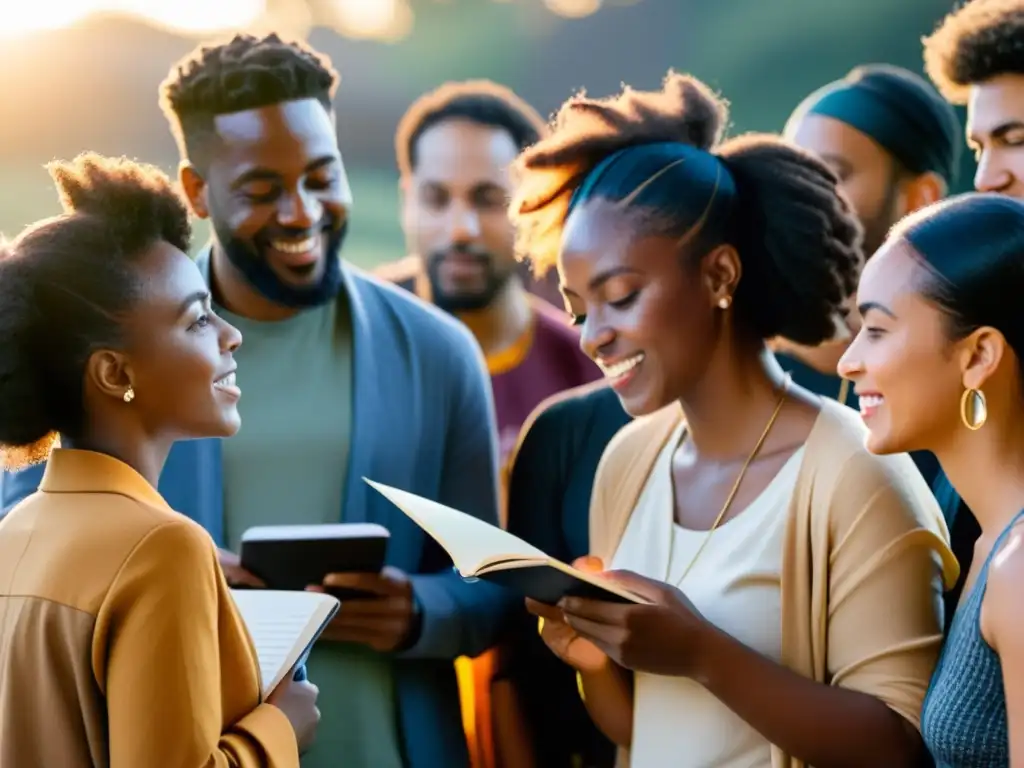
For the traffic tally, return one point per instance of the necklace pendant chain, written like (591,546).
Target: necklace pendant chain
(739,480)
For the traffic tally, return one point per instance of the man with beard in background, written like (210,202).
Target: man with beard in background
(455,147)
(894,143)
(343,377)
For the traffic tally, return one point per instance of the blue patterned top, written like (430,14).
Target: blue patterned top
(964,718)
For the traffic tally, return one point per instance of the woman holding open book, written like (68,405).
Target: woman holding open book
(790,580)
(121,645)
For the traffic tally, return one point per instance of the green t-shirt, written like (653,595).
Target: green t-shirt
(287,465)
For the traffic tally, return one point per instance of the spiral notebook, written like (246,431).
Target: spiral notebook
(283,627)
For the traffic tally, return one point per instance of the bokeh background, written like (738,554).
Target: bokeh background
(83,74)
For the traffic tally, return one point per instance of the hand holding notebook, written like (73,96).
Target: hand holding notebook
(480,550)
(283,627)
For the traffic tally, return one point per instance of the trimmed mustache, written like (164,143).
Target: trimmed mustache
(460,249)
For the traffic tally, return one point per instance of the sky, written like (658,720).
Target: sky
(354,18)
(20,19)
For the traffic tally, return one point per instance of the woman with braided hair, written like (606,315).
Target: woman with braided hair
(789,581)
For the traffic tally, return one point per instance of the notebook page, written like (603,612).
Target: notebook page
(469,541)
(282,625)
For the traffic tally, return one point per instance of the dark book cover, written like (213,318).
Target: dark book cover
(547,584)
(293,557)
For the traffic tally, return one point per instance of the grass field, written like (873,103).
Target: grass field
(27,194)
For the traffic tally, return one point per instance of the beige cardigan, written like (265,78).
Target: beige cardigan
(866,557)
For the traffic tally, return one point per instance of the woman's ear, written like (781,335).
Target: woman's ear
(981,353)
(109,373)
(721,271)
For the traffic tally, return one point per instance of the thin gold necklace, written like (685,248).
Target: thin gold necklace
(844,391)
(736,485)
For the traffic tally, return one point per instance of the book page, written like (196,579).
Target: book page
(469,541)
(282,626)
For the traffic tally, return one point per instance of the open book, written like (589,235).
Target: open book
(483,551)
(283,627)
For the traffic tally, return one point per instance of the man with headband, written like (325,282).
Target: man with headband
(889,136)
(895,145)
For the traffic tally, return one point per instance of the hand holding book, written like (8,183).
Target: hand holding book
(383,618)
(283,627)
(297,699)
(559,635)
(480,550)
(663,635)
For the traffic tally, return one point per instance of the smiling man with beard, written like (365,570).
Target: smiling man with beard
(344,377)
(455,147)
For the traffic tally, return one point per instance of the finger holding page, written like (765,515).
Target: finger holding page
(544,611)
(589,564)
(292,675)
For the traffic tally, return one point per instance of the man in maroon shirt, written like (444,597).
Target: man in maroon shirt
(455,148)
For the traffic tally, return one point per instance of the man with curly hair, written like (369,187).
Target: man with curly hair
(976,58)
(344,377)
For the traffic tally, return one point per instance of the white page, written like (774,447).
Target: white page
(468,540)
(282,625)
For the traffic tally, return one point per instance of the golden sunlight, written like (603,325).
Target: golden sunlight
(186,16)
(385,20)
(573,9)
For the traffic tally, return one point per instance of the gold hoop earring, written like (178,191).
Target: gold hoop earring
(973,409)
(725,302)
(129,394)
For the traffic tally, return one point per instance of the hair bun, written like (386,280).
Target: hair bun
(799,239)
(587,130)
(701,114)
(98,185)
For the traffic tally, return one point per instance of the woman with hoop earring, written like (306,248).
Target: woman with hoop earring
(940,366)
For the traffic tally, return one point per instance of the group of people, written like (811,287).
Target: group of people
(819,586)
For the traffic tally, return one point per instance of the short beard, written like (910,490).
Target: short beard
(455,302)
(876,229)
(246,258)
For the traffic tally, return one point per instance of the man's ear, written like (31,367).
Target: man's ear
(923,190)
(194,186)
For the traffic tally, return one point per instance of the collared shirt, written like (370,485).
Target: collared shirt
(120,645)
